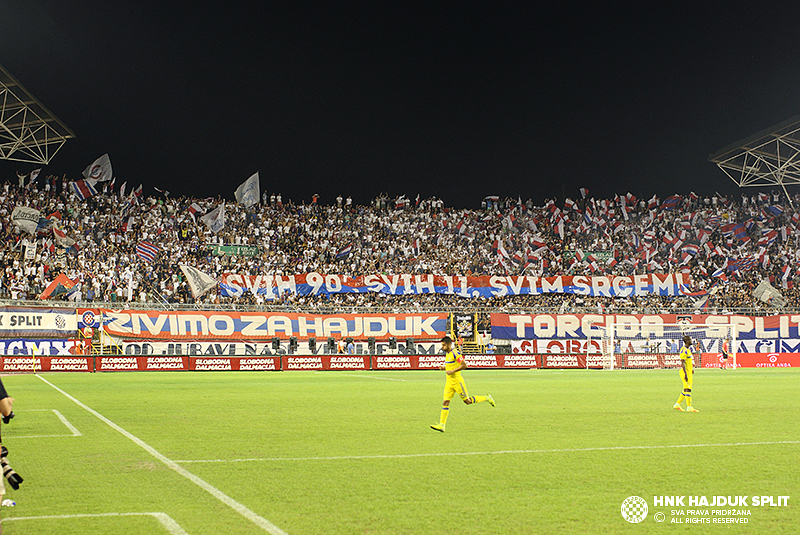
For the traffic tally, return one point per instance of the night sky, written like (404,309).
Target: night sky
(457,101)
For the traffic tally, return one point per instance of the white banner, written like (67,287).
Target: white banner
(19,321)
(30,250)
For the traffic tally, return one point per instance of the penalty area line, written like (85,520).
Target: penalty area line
(72,428)
(163,518)
(260,521)
(498,452)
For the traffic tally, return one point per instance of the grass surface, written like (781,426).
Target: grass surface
(352,453)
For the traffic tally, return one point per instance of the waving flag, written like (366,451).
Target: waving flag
(743,264)
(127,225)
(249,192)
(720,273)
(776,210)
(194,208)
(199,282)
(60,286)
(584,193)
(34,176)
(83,189)
(741,233)
(671,202)
(691,248)
(344,252)
(99,170)
(215,219)
(785,270)
(768,238)
(26,218)
(146,251)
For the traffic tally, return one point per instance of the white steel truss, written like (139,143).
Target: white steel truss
(769,158)
(28,131)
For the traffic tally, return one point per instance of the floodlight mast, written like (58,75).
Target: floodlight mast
(29,132)
(769,158)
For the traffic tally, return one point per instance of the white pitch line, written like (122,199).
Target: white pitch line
(72,428)
(260,521)
(75,432)
(500,452)
(167,521)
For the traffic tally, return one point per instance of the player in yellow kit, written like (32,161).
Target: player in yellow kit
(686,372)
(454,384)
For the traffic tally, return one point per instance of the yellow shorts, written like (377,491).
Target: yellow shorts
(455,386)
(687,380)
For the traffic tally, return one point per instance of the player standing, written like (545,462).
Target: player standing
(726,352)
(686,376)
(453,364)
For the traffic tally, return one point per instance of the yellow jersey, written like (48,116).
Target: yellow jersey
(686,353)
(452,360)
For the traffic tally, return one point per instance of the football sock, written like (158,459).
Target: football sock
(443,415)
(688,397)
(680,399)
(478,399)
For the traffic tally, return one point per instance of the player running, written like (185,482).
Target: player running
(686,376)
(453,364)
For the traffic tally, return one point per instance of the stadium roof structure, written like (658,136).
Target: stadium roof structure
(768,158)
(29,132)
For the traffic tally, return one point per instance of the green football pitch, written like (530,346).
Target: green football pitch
(352,452)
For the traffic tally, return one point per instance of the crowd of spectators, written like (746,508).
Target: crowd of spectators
(726,245)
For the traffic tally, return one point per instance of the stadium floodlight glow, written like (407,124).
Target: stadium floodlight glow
(29,132)
(770,157)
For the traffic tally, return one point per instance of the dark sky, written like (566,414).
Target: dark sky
(455,101)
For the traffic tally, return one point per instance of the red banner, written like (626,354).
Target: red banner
(163,363)
(235,363)
(434,362)
(114,363)
(326,362)
(47,364)
(754,360)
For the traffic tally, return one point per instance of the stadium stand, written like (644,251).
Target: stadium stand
(726,245)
